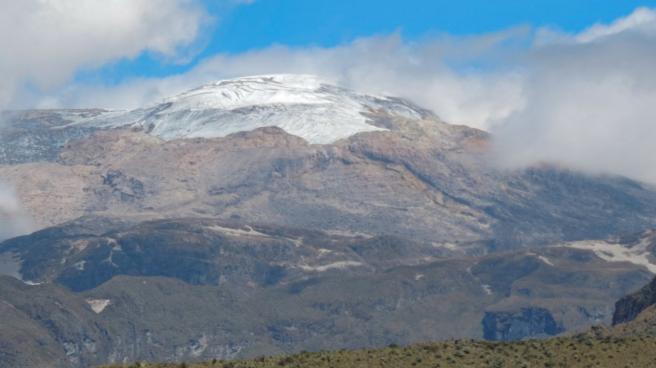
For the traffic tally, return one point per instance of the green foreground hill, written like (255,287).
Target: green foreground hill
(588,350)
(628,344)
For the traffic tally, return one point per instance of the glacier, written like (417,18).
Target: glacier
(303,105)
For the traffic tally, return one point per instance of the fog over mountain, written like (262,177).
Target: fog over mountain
(13,218)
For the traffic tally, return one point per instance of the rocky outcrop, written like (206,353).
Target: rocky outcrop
(629,307)
(127,189)
(525,323)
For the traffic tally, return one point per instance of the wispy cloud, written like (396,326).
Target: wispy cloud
(13,219)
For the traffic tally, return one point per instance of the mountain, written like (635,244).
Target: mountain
(273,214)
(408,175)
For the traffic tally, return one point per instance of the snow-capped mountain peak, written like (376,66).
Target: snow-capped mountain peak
(250,91)
(302,105)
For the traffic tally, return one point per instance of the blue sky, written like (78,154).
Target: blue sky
(326,23)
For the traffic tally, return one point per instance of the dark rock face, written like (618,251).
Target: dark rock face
(511,326)
(126,188)
(629,307)
(47,326)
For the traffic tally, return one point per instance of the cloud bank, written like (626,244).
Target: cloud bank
(590,101)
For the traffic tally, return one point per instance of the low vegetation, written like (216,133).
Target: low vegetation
(587,350)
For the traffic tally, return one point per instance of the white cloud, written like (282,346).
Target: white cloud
(13,220)
(590,101)
(642,20)
(45,42)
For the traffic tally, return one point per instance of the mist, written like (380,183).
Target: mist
(590,101)
(14,220)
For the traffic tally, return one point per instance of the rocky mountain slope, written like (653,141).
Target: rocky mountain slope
(274,214)
(245,290)
(412,176)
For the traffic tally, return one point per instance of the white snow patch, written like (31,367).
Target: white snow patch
(80,265)
(542,258)
(247,231)
(302,105)
(98,305)
(449,246)
(249,91)
(546,260)
(614,252)
(331,266)
(197,348)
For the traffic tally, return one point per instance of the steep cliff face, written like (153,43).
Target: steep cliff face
(628,308)
(518,325)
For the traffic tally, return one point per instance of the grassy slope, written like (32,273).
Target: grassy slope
(601,350)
